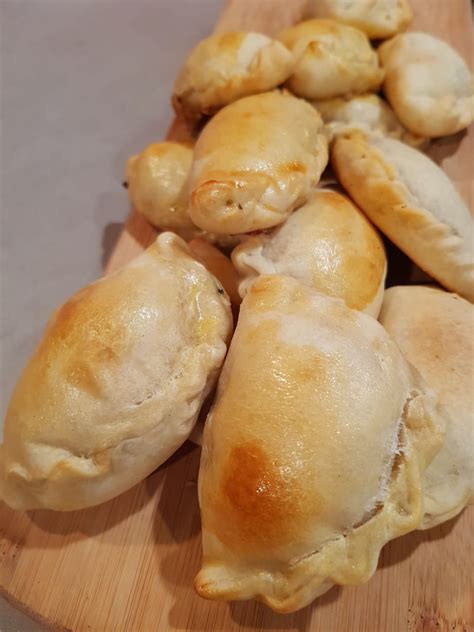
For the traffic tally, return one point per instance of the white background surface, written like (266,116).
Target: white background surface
(83,84)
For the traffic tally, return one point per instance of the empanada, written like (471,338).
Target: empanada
(332,60)
(116,383)
(255,162)
(377,18)
(314,451)
(328,244)
(435,332)
(368,113)
(428,84)
(413,202)
(228,66)
(156,180)
(219,265)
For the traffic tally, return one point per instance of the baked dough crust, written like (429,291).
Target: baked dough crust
(302,481)
(255,162)
(332,60)
(368,113)
(410,199)
(228,66)
(327,244)
(219,265)
(434,330)
(156,180)
(428,84)
(116,383)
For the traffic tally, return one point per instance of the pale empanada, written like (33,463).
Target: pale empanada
(255,162)
(117,382)
(435,332)
(377,18)
(367,112)
(328,244)
(332,60)
(227,66)
(413,202)
(428,84)
(313,454)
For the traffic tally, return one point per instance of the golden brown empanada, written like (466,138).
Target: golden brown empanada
(255,162)
(116,384)
(314,451)
(156,180)
(413,202)
(327,244)
(332,60)
(228,66)
(157,186)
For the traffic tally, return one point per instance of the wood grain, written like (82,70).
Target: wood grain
(128,565)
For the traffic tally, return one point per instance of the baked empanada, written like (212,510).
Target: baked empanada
(156,180)
(413,202)
(332,60)
(327,244)
(116,383)
(228,66)
(219,265)
(377,18)
(435,332)
(368,113)
(428,84)
(157,187)
(255,162)
(314,451)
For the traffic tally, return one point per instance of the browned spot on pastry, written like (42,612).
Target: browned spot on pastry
(83,377)
(230,41)
(85,320)
(255,489)
(292,167)
(106,354)
(95,339)
(68,312)
(313,48)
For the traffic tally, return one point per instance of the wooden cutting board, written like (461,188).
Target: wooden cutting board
(128,565)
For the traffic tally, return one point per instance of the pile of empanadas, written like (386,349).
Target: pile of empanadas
(331,432)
